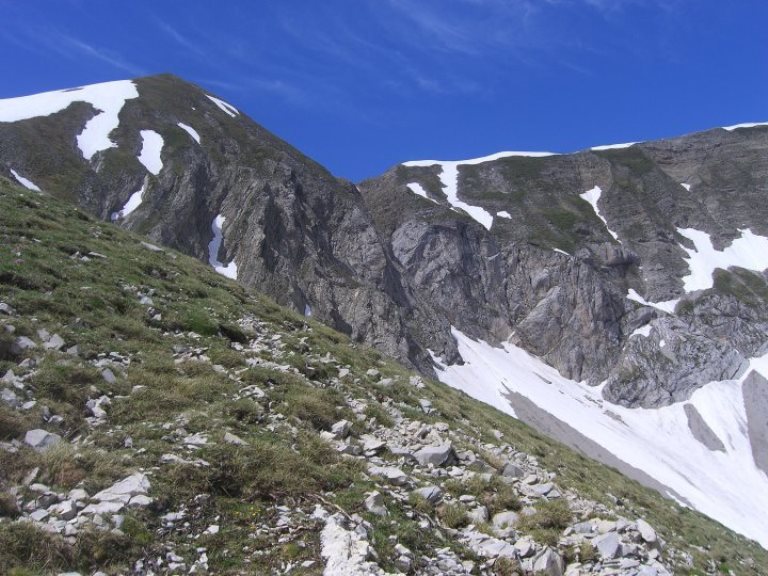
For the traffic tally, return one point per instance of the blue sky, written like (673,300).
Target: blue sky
(360,85)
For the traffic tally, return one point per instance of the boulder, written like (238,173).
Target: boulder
(512,471)
(504,520)
(55,342)
(608,545)
(375,504)
(443,455)
(373,445)
(548,562)
(230,438)
(21,344)
(647,533)
(478,515)
(391,474)
(122,491)
(432,494)
(41,440)
(341,429)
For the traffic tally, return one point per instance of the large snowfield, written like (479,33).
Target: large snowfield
(726,486)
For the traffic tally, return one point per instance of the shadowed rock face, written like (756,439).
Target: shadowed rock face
(396,270)
(701,431)
(755,389)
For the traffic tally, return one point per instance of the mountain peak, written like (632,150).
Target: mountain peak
(627,282)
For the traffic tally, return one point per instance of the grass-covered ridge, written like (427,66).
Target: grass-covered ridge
(178,338)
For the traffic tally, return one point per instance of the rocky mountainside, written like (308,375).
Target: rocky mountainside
(636,271)
(157,418)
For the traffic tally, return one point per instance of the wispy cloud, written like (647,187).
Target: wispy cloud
(74,47)
(181,39)
(49,40)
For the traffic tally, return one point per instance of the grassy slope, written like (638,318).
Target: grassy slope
(95,304)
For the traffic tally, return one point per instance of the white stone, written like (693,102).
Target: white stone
(548,563)
(40,439)
(374,503)
(104,508)
(55,342)
(647,532)
(230,438)
(125,489)
(391,474)
(608,545)
(505,519)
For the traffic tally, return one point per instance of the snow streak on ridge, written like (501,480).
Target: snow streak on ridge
(449,177)
(228,270)
(133,202)
(224,106)
(28,184)
(191,131)
(593,197)
(151,150)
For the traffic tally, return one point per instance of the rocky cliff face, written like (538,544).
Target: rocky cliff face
(396,269)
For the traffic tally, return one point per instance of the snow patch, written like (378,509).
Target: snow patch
(667,306)
(745,125)
(642,331)
(151,150)
(504,214)
(108,98)
(418,189)
(613,146)
(133,202)
(593,197)
(750,251)
(28,184)
(224,106)
(657,441)
(484,389)
(189,130)
(228,270)
(563,252)
(449,177)
(307,310)
(686,186)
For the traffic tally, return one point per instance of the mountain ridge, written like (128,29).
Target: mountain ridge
(582,260)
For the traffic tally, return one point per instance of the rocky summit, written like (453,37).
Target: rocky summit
(614,298)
